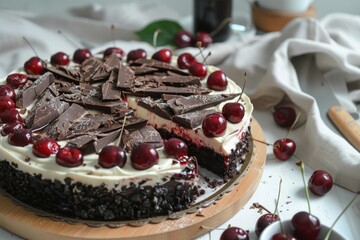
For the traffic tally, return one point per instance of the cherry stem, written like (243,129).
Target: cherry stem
(343,211)
(68,39)
(280,222)
(220,27)
(302,167)
(28,43)
(259,206)
(243,87)
(278,197)
(156,34)
(293,125)
(113,34)
(260,141)
(121,132)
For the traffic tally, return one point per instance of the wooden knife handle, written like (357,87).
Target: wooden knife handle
(346,124)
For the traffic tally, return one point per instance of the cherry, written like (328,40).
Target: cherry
(203,38)
(233,112)
(185,60)
(284,148)
(305,226)
(118,51)
(60,59)
(111,156)
(234,233)
(10,115)
(7,91)
(16,80)
(175,147)
(10,127)
(183,39)
(163,55)
(320,182)
(198,70)
(44,147)
(144,156)
(284,116)
(217,81)
(20,137)
(214,125)
(136,54)
(264,221)
(81,54)
(6,103)
(69,157)
(35,66)
(283,236)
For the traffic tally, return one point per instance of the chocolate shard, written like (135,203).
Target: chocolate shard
(147,134)
(86,123)
(104,106)
(29,94)
(109,91)
(100,143)
(192,119)
(159,107)
(177,81)
(125,76)
(131,123)
(68,73)
(142,70)
(156,92)
(82,142)
(159,65)
(182,105)
(89,67)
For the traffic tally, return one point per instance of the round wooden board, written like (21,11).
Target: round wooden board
(27,224)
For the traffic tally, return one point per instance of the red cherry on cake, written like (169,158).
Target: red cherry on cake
(136,54)
(185,60)
(118,51)
(111,156)
(69,157)
(214,125)
(163,55)
(305,226)
(183,39)
(233,112)
(16,80)
(175,147)
(10,127)
(198,70)
(264,221)
(284,116)
(20,137)
(283,236)
(320,182)
(144,156)
(6,103)
(44,147)
(81,54)
(234,233)
(10,115)
(203,38)
(60,59)
(35,66)
(284,148)
(217,81)
(7,91)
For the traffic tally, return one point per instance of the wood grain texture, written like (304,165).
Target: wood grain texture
(28,225)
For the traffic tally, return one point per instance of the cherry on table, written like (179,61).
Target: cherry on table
(69,157)
(203,39)
(16,80)
(81,54)
(118,51)
(217,81)
(20,137)
(44,147)
(283,236)
(284,148)
(10,115)
(214,125)
(9,128)
(234,233)
(60,59)
(264,221)
(233,112)
(35,66)
(163,55)
(185,60)
(8,91)
(305,226)
(284,116)
(320,182)
(136,54)
(111,156)
(6,103)
(175,147)
(144,156)
(183,39)
(198,69)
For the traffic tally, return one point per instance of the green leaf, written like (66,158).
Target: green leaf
(167,30)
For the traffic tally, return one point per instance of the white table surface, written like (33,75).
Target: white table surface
(292,200)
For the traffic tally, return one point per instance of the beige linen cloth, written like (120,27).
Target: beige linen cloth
(306,50)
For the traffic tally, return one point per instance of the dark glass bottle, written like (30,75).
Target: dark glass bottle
(210,16)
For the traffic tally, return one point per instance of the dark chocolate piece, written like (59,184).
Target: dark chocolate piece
(192,119)
(159,65)
(159,107)
(132,123)
(125,76)
(157,92)
(100,143)
(195,102)
(147,134)
(81,141)
(89,67)
(177,81)
(142,70)
(109,91)
(72,74)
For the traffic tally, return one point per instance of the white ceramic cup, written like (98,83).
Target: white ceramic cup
(294,6)
(274,228)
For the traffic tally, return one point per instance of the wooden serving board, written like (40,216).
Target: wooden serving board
(27,224)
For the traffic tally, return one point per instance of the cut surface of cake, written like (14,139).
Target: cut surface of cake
(109,125)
